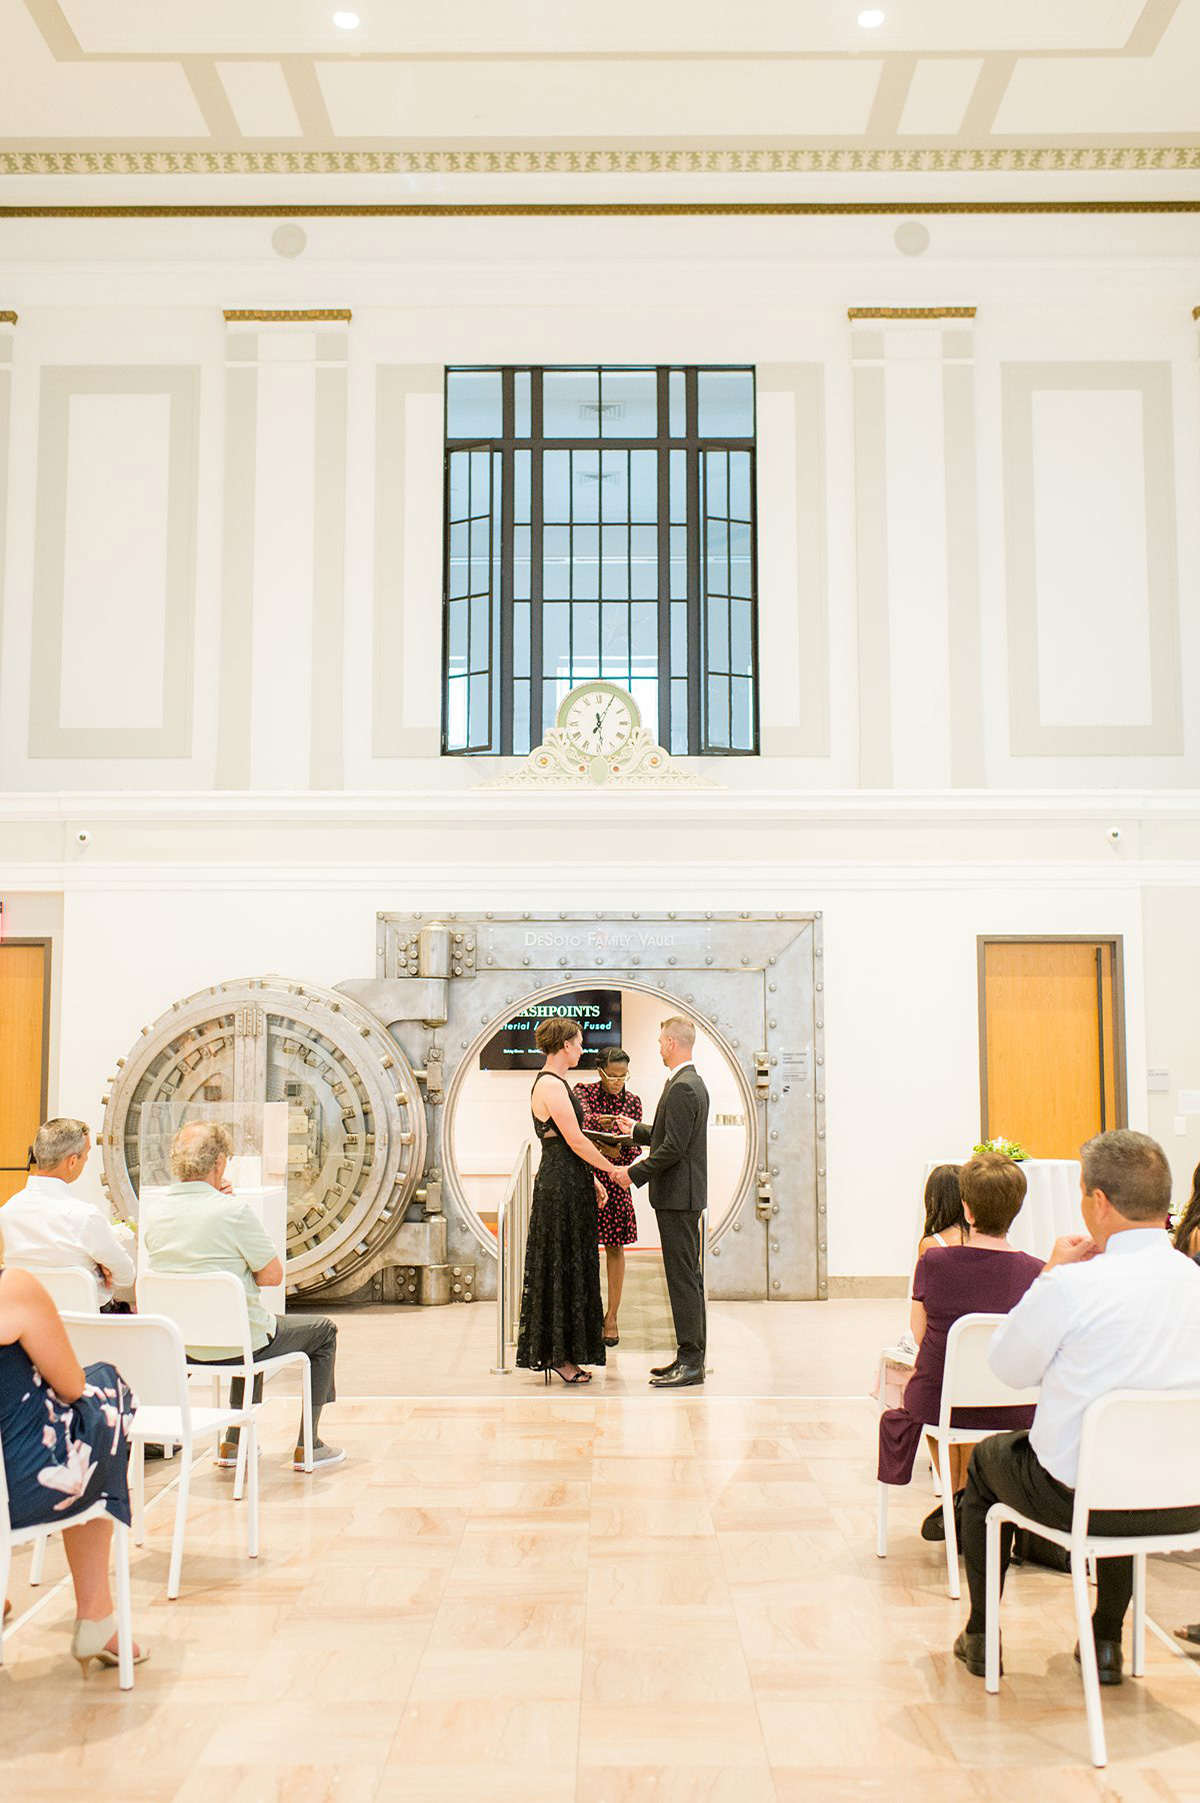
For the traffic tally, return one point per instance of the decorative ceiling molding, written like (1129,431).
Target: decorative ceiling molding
(633,209)
(289,316)
(910,313)
(818,160)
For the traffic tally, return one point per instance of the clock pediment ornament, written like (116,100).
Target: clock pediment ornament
(598,741)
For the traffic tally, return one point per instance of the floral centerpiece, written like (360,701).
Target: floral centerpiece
(1009,1147)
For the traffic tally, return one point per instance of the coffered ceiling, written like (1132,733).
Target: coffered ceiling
(274,87)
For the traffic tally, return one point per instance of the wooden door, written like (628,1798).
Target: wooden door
(1052,1051)
(24,1011)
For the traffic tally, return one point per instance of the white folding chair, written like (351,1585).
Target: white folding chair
(39,1533)
(209,1308)
(1140,1449)
(968,1382)
(148,1352)
(70,1287)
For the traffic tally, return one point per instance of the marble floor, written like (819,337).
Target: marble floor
(594,1596)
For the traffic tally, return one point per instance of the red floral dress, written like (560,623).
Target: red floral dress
(617,1219)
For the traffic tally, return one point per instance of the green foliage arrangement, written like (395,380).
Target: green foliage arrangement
(1009,1147)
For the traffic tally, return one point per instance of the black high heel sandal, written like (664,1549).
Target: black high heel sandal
(580,1377)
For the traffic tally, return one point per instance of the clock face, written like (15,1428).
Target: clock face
(598,719)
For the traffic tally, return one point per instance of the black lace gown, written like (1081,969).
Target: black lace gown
(562,1315)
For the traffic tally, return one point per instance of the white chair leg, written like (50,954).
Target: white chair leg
(934,1473)
(124,1607)
(306,1404)
(250,1433)
(37,1563)
(991,1638)
(138,1475)
(181,1503)
(1139,1615)
(948,1521)
(239,1476)
(881,1522)
(1087,1663)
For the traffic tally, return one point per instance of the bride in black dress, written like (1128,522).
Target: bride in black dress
(562,1316)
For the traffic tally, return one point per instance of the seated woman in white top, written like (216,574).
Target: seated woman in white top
(945,1222)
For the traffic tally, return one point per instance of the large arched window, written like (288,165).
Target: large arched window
(600,522)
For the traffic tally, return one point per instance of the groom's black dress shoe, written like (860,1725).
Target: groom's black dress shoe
(678,1378)
(1109,1661)
(665,1370)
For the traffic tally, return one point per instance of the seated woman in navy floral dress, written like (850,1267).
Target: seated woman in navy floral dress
(602,1102)
(64,1433)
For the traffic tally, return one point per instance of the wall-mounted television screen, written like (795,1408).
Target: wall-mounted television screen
(514,1048)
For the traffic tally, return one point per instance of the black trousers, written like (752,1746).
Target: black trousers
(679,1231)
(314,1334)
(1005,1468)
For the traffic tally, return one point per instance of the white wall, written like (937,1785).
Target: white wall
(952,714)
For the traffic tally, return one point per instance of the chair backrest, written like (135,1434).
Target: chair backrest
(968,1381)
(1139,1449)
(146,1349)
(70,1287)
(208,1307)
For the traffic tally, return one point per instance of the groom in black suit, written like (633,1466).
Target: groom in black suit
(677,1172)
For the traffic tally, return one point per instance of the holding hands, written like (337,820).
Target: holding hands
(620,1176)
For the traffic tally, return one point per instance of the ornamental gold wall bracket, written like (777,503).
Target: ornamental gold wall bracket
(598,741)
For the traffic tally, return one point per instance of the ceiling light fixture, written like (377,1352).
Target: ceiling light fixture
(873,16)
(351,21)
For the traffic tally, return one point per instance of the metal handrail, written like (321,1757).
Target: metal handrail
(512,1235)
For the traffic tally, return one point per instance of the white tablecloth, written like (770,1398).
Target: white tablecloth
(1050,1208)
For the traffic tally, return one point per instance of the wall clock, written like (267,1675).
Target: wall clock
(598,740)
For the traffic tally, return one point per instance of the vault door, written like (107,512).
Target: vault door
(752,981)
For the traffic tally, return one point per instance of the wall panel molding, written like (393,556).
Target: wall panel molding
(1162,735)
(60,386)
(396,609)
(808,678)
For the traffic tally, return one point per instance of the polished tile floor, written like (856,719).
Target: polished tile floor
(596,1595)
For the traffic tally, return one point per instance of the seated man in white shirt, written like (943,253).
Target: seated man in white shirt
(1119,1310)
(46,1227)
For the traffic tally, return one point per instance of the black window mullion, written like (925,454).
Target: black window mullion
(664,556)
(697,712)
(536,674)
(508,470)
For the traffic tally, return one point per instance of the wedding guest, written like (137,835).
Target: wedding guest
(1187,1232)
(945,1222)
(1114,1309)
(45,1226)
(562,1316)
(984,1276)
(65,1434)
(602,1102)
(198,1224)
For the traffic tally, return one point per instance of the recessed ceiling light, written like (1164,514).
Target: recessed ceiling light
(873,16)
(351,21)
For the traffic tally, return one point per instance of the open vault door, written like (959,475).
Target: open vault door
(754,982)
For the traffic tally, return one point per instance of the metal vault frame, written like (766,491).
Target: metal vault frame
(754,981)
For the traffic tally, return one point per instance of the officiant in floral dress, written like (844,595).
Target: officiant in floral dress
(602,1102)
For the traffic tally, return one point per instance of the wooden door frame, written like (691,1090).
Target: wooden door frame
(1117,942)
(47,955)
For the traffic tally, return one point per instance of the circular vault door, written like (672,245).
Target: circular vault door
(346,1095)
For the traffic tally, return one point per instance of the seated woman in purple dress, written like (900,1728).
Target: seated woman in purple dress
(985,1276)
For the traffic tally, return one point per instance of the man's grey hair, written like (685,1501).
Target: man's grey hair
(58,1139)
(681,1030)
(197,1149)
(1132,1171)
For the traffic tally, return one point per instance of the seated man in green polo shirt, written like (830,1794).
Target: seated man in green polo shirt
(199,1225)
